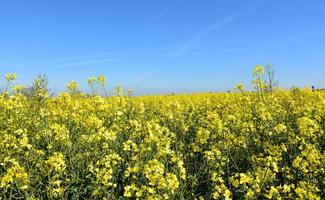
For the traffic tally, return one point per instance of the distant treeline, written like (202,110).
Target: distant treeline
(320,89)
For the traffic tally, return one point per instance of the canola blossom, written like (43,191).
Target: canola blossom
(243,145)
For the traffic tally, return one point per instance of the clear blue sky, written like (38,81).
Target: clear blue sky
(163,46)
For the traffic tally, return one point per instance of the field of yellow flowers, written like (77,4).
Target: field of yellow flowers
(201,146)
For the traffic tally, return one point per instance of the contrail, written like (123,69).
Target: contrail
(191,42)
(169,7)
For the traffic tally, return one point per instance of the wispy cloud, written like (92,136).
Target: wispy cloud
(171,5)
(140,78)
(277,43)
(86,62)
(9,64)
(302,36)
(183,49)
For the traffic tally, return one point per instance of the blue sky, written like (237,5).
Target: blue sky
(163,46)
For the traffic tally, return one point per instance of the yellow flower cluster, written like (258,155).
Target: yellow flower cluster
(103,170)
(246,145)
(14,175)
